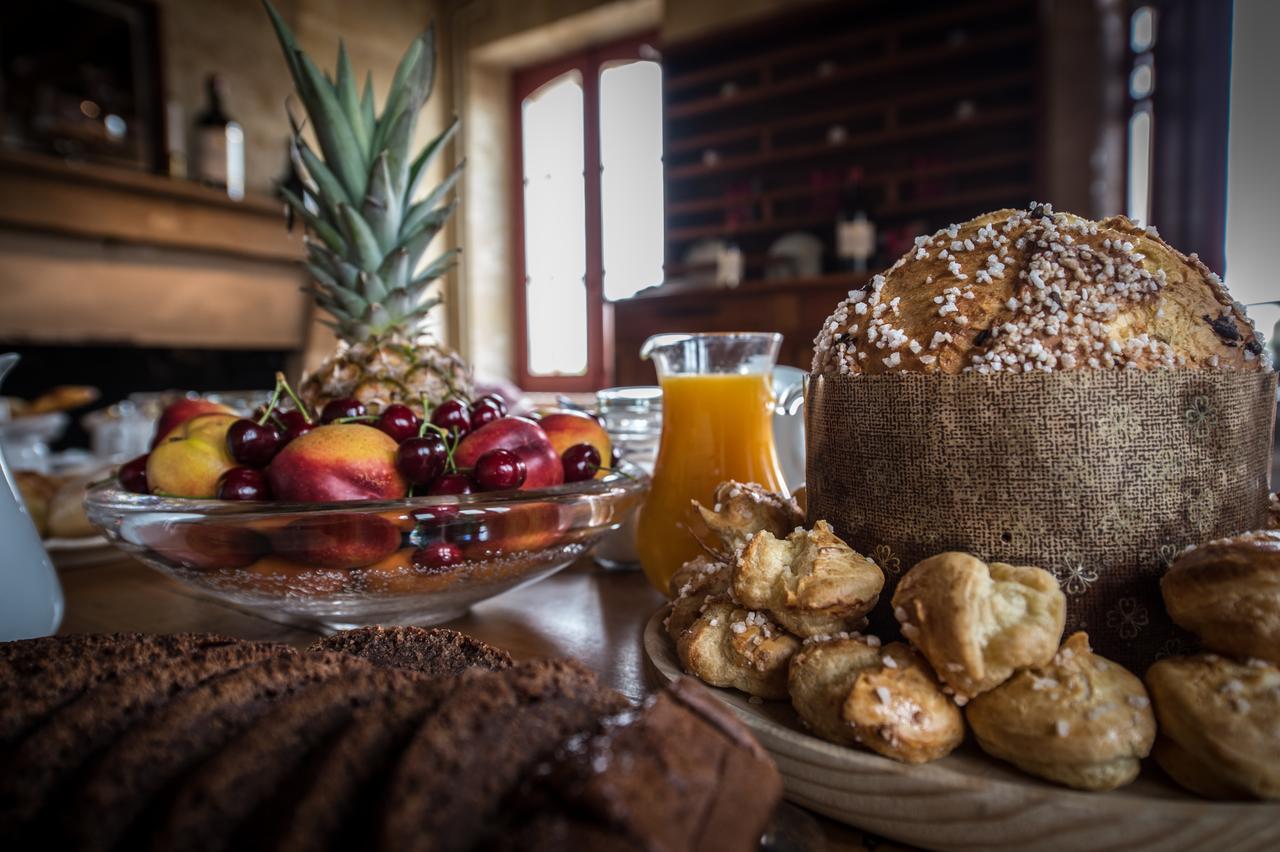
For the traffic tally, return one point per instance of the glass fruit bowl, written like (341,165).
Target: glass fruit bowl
(345,564)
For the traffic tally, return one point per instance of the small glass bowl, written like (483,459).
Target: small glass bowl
(345,564)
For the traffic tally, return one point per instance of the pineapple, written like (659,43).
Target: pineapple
(366,235)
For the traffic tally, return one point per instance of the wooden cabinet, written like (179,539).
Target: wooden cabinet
(795,309)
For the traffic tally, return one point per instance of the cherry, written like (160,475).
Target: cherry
(253,444)
(438,554)
(452,416)
(295,424)
(243,483)
(336,409)
(486,410)
(614,457)
(452,484)
(494,400)
(500,470)
(422,460)
(581,462)
(133,475)
(399,422)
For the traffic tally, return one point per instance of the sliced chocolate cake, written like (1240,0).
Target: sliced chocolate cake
(396,739)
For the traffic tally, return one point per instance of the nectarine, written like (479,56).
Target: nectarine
(565,429)
(340,461)
(337,541)
(190,460)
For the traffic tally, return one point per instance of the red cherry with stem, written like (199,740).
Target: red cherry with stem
(581,462)
(494,400)
(295,424)
(399,422)
(253,444)
(485,411)
(337,409)
(133,475)
(500,470)
(438,554)
(452,484)
(243,483)
(452,416)
(422,460)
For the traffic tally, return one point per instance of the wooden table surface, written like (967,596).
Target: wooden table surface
(593,616)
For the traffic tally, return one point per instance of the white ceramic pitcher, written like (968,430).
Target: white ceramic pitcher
(30,597)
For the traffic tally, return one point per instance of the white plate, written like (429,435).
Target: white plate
(969,801)
(88,550)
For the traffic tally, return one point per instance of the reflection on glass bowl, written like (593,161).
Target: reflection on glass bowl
(344,564)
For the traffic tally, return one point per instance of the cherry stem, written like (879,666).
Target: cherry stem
(301,406)
(357,418)
(271,406)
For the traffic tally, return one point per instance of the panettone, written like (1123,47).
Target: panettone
(1025,290)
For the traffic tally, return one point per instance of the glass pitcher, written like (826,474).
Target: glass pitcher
(718,404)
(30,597)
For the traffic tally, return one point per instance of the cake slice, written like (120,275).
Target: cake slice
(337,797)
(110,806)
(54,750)
(434,651)
(214,802)
(37,676)
(478,744)
(679,774)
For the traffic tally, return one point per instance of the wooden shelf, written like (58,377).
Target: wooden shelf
(892,105)
(818,49)
(994,118)
(892,63)
(905,209)
(879,178)
(43,193)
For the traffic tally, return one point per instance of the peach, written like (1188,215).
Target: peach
(340,461)
(565,429)
(180,412)
(524,438)
(189,461)
(521,528)
(337,541)
(205,546)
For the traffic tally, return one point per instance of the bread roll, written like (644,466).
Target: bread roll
(1024,290)
(1227,592)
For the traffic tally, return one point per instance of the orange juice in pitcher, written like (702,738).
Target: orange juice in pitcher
(717,410)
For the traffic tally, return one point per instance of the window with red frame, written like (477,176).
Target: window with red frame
(588,207)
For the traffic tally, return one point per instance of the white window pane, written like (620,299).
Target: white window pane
(1140,166)
(555,228)
(631,177)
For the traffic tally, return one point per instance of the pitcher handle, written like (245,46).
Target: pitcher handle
(790,400)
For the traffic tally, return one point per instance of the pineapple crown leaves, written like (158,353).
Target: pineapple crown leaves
(367,235)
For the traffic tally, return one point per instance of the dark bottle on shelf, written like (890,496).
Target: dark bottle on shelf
(855,232)
(217,143)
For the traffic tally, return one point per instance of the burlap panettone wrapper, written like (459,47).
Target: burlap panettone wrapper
(1100,477)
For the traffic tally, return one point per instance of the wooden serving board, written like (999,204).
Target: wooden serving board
(970,801)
